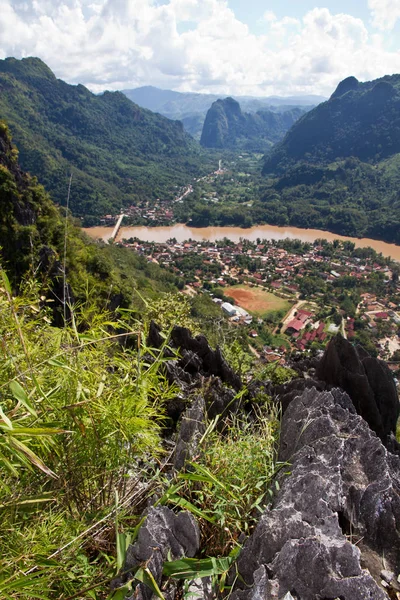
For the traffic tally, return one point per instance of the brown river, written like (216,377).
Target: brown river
(268,232)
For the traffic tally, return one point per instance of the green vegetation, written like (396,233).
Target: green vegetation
(32,236)
(77,411)
(229,482)
(82,419)
(119,154)
(337,169)
(83,407)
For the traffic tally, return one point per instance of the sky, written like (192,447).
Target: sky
(240,47)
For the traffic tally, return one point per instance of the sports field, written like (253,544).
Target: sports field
(255,300)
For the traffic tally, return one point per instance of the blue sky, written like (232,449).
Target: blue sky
(251,12)
(256,47)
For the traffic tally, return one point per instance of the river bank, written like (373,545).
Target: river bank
(270,232)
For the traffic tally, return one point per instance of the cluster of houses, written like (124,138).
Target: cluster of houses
(280,270)
(303,335)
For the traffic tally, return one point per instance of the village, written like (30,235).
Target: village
(291,296)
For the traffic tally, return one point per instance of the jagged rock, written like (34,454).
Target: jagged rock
(211,362)
(200,589)
(343,490)
(192,428)
(368,381)
(164,536)
(302,364)
(197,358)
(219,399)
(286,392)
(154,339)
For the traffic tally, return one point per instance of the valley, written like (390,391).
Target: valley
(199,389)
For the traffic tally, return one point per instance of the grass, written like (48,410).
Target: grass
(229,483)
(256,301)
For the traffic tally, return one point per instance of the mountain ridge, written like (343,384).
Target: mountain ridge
(359,119)
(191,107)
(118,152)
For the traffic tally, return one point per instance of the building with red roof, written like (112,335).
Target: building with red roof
(295,325)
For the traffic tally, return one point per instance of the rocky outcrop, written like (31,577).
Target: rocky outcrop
(192,428)
(164,536)
(226,126)
(336,514)
(368,381)
(197,358)
(197,366)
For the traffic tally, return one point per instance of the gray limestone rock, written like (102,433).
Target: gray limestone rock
(336,515)
(368,381)
(164,536)
(192,428)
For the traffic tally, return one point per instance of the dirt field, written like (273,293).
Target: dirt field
(256,300)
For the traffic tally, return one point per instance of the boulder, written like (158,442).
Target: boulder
(164,536)
(368,381)
(335,522)
(191,430)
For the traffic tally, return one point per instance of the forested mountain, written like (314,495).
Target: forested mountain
(360,120)
(226,126)
(32,235)
(191,108)
(118,153)
(338,168)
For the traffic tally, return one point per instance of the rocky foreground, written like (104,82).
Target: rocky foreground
(332,530)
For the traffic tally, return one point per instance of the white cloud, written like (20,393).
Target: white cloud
(385,13)
(118,44)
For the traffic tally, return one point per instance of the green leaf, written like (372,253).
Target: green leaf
(30,500)
(178,501)
(6,281)
(145,576)
(54,362)
(122,592)
(32,457)
(192,568)
(19,393)
(6,420)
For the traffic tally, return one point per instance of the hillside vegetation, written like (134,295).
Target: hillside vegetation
(32,236)
(86,403)
(338,166)
(118,153)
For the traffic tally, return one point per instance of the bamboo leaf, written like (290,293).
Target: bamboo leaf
(145,576)
(178,501)
(191,568)
(6,281)
(25,501)
(32,457)
(54,362)
(6,420)
(19,394)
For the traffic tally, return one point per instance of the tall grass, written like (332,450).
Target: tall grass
(80,417)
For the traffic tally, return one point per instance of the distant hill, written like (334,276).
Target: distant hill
(360,120)
(338,167)
(226,126)
(118,152)
(191,108)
